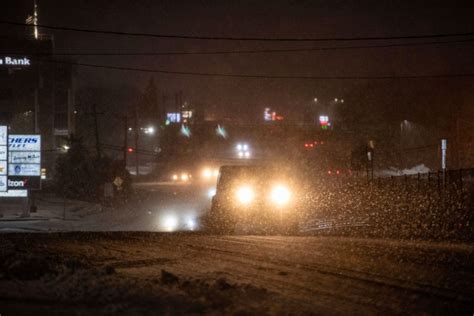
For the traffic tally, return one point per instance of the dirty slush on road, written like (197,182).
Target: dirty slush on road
(193,274)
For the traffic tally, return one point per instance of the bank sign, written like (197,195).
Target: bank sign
(15,61)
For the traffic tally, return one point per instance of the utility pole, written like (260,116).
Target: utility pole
(125,139)
(96,130)
(137,170)
(458,142)
(176,103)
(401,145)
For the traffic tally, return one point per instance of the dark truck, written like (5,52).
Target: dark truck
(257,199)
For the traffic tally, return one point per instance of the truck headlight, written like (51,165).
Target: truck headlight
(280,195)
(245,194)
(207,173)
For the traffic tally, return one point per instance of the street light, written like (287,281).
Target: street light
(151,130)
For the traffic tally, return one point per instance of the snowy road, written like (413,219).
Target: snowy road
(133,272)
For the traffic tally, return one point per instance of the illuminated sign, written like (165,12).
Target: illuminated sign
(25,157)
(3,135)
(14,61)
(14,193)
(3,183)
(15,169)
(3,168)
(3,152)
(24,162)
(269,115)
(3,158)
(24,183)
(324,121)
(24,142)
(187,114)
(173,117)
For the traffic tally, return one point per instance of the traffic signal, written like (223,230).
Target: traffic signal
(130,150)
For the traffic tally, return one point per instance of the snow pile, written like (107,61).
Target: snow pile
(74,284)
(392,171)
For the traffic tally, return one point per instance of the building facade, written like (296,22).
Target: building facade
(37,93)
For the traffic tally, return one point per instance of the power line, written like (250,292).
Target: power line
(232,38)
(256,51)
(257,76)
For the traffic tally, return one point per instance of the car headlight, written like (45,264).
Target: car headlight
(169,223)
(245,194)
(175,177)
(207,173)
(280,195)
(184,177)
(211,193)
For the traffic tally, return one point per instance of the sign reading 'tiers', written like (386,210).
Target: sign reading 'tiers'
(24,162)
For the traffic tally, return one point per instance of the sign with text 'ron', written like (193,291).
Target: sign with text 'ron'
(16,183)
(3,158)
(24,162)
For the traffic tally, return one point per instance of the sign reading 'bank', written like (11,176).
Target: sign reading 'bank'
(14,61)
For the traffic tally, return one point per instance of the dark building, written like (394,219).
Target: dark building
(37,92)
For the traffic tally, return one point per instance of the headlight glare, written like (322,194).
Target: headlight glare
(245,194)
(280,195)
(207,173)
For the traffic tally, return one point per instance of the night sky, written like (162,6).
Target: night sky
(328,18)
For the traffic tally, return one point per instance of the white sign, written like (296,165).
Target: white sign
(3,183)
(3,152)
(3,167)
(24,142)
(15,61)
(15,169)
(14,193)
(3,157)
(25,157)
(3,135)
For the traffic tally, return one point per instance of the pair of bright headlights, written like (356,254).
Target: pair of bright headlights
(209,173)
(279,195)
